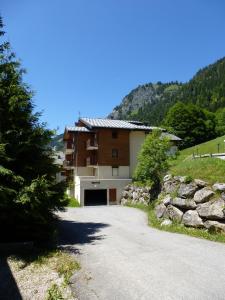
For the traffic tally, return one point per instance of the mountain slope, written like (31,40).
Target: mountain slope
(150,102)
(57,142)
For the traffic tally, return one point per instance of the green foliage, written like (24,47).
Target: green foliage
(209,169)
(28,191)
(191,123)
(178,228)
(152,160)
(72,202)
(220,121)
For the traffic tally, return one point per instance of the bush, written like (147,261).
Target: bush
(152,160)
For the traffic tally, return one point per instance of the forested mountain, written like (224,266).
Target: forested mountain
(150,102)
(57,142)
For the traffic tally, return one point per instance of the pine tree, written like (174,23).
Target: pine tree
(28,192)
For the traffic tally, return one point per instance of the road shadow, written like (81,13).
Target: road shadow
(72,233)
(8,286)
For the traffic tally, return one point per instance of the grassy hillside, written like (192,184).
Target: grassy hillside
(210,169)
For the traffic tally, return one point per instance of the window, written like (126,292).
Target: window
(114,134)
(115,171)
(115,153)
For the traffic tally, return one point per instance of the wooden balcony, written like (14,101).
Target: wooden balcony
(92,144)
(68,147)
(91,162)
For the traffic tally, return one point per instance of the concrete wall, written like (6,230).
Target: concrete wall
(105,172)
(136,140)
(86,183)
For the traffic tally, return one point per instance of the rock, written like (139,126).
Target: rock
(191,218)
(166,200)
(167,177)
(219,187)
(187,190)
(160,210)
(135,195)
(213,210)
(166,222)
(170,187)
(203,195)
(214,225)
(123,201)
(200,183)
(223,196)
(181,179)
(184,203)
(174,213)
(126,194)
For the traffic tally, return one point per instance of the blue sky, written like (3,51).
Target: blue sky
(86,55)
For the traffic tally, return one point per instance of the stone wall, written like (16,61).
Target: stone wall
(135,195)
(193,204)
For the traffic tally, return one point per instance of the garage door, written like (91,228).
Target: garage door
(95,197)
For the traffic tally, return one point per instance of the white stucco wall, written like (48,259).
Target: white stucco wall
(93,184)
(136,140)
(105,172)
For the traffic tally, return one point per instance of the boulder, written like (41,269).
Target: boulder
(187,190)
(213,210)
(223,195)
(214,225)
(123,201)
(167,177)
(126,194)
(200,183)
(135,195)
(174,213)
(219,187)
(167,200)
(184,203)
(166,222)
(170,187)
(160,210)
(203,195)
(192,219)
(181,179)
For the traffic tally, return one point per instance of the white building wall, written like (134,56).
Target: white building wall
(136,140)
(105,172)
(93,184)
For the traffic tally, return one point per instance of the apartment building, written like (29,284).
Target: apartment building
(100,157)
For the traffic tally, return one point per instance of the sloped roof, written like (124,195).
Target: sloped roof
(170,136)
(77,129)
(120,124)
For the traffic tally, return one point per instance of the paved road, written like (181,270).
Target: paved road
(124,259)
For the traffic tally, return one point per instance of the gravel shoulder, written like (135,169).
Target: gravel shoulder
(123,258)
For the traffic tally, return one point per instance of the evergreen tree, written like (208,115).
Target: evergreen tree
(28,192)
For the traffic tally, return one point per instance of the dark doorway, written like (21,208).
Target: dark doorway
(95,197)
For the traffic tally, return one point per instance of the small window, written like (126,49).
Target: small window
(114,153)
(114,134)
(115,171)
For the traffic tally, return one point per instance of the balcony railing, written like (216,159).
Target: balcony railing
(91,162)
(92,144)
(68,164)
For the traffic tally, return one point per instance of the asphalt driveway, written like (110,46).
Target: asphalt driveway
(124,259)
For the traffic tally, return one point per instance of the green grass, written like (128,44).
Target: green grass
(73,202)
(206,148)
(178,228)
(209,169)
